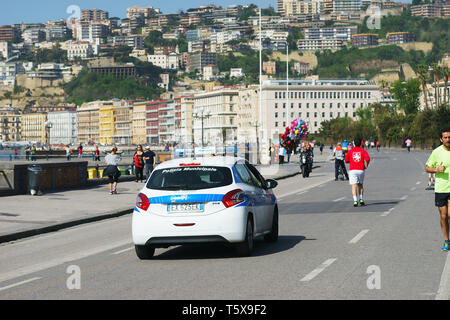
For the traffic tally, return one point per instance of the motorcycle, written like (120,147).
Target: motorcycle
(305,164)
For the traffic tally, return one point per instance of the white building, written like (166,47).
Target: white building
(64,127)
(5,50)
(33,35)
(210,72)
(272,35)
(170,61)
(225,36)
(236,73)
(81,49)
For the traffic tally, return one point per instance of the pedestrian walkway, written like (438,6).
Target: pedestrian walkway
(24,215)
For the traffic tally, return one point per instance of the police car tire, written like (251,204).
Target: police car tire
(144,252)
(273,235)
(245,248)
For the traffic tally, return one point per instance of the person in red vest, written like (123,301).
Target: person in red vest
(359,160)
(139,163)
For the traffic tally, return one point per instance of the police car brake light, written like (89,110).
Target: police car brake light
(233,198)
(189,164)
(142,202)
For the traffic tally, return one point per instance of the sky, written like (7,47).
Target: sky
(16,11)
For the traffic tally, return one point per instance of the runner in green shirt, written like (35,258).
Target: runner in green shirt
(439,164)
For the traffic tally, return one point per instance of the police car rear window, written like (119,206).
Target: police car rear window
(190,178)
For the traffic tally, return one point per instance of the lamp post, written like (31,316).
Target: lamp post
(256,124)
(201,113)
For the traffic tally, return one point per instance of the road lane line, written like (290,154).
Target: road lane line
(413,189)
(304,189)
(124,250)
(404,197)
(359,236)
(317,271)
(19,283)
(444,286)
(337,200)
(386,213)
(60,260)
(418,182)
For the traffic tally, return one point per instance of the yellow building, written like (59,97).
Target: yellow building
(33,127)
(88,122)
(139,123)
(106,124)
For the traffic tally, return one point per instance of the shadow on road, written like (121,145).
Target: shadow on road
(225,251)
(297,207)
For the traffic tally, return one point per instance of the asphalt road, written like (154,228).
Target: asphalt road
(327,249)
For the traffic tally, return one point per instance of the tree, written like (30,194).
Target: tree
(445,72)
(423,78)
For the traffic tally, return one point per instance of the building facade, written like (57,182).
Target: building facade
(364,40)
(64,127)
(33,127)
(10,124)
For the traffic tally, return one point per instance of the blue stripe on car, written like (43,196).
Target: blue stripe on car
(188,198)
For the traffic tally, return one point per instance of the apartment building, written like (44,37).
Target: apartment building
(346,6)
(33,127)
(5,49)
(138,12)
(81,49)
(198,60)
(338,33)
(364,40)
(64,128)
(10,124)
(186,120)
(319,44)
(132,41)
(400,37)
(163,121)
(7,33)
(170,61)
(301,68)
(94,15)
(221,125)
(300,7)
(88,121)
(269,67)
(138,123)
(91,31)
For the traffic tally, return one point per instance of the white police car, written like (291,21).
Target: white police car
(204,200)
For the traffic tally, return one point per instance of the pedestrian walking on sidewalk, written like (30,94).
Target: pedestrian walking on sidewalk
(97,154)
(139,163)
(112,172)
(150,160)
(359,160)
(439,164)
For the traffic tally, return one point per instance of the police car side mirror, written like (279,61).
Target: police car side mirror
(271,184)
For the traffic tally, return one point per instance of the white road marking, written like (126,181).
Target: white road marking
(60,260)
(444,286)
(19,283)
(337,200)
(124,250)
(413,189)
(359,236)
(304,189)
(317,271)
(418,182)
(395,159)
(404,197)
(386,213)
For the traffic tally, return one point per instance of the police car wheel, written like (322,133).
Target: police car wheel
(273,235)
(144,252)
(245,248)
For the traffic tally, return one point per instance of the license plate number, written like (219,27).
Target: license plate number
(185,207)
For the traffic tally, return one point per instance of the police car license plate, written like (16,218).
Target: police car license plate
(185,207)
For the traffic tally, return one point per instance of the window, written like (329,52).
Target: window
(244,174)
(346,105)
(315,105)
(331,114)
(299,114)
(315,114)
(338,95)
(284,105)
(276,124)
(299,105)
(190,178)
(276,95)
(323,114)
(276,105)
(296,95)
(307,114)
(339,105)
(331,105)
(276,114)
(292,114)
(307,105)
(256,176)
(292,106)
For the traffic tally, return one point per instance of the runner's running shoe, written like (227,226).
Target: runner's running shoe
(446,245)
(355,203)
(362,203)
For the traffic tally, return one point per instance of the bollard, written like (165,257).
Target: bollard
(97,170)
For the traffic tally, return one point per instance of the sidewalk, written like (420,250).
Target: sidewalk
(25,216)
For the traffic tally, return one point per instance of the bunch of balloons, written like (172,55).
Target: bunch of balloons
(293,134)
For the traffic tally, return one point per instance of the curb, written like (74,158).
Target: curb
(63,225)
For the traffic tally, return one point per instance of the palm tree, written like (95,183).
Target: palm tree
(423,77)
(435,69)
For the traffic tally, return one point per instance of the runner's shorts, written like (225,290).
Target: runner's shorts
(441,199)
(356,176)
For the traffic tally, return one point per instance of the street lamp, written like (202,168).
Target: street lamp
(48,126)
(201,113)
(256,124)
